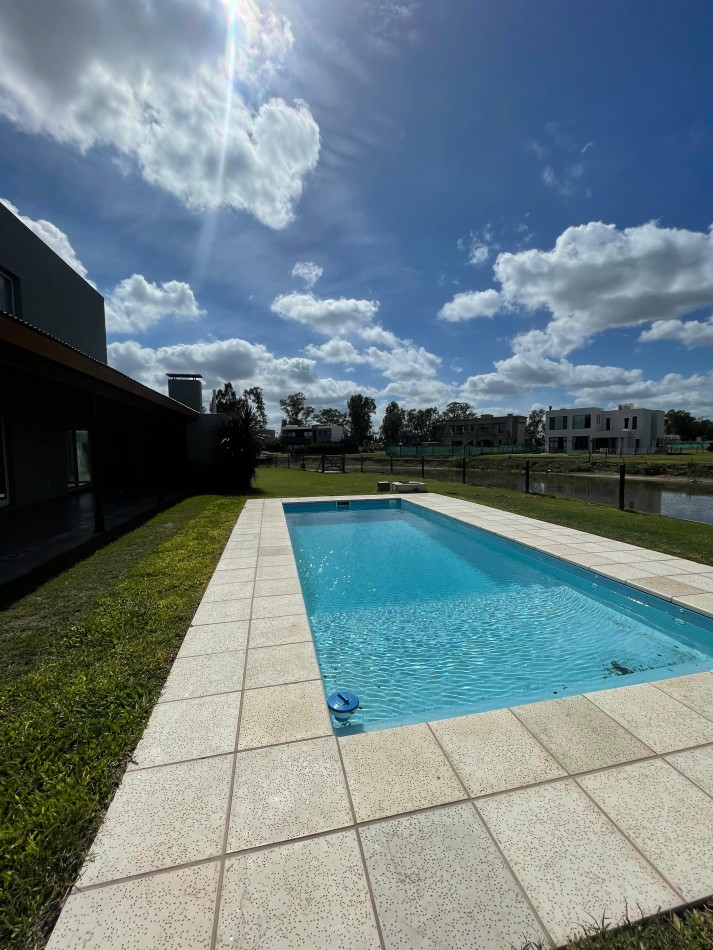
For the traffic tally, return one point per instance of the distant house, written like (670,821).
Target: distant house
(485,430)
(319,435)
(626,430)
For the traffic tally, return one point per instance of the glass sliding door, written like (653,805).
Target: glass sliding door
(79,467)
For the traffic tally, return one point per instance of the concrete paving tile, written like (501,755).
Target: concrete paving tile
(697,765)
(284,605)
(204,676)
(695,691)
(188,729)
(287,791)
(268,560)
(310,894)
(702,582)
(235,576)
(623,572)
(236,563)
(667,587)
(174,814)
(215,591)
(439,881)
(589,560)
(701,603)
(272,631)
(283,714)
(397,770)
(277,572)
(215,638)
(280,585)
(579,734)
(288,663)
(493,751)
(276,550)
(574,865)
(171,911)
(223,611)
(654,717)
(668,818)
(664,568)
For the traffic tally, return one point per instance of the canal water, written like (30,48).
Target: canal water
(690,503)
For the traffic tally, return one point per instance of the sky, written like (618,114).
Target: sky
(494,201)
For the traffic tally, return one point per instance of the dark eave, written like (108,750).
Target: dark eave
(26,348)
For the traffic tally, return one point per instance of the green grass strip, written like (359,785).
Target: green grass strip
(90,652)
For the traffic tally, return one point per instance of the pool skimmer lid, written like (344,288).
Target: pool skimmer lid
(343,704)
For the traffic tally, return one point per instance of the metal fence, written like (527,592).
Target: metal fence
(611,486)
(472,451)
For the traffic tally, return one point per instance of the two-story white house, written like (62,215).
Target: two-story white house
(626,430)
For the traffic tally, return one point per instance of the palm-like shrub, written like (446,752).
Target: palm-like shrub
(239,444)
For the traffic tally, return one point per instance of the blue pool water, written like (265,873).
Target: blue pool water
(425,618)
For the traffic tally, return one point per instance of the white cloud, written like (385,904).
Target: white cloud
(308,271)
(335,351)
(157,84)
(52,236)
(471,304)
(689,332)
(597,277)
(332,317)
(137,304)
(405,362)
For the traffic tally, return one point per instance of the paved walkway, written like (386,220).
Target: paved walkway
(244,823)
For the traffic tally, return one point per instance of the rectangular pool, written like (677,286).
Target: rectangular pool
(424,617)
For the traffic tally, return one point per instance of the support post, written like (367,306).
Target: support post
(527,477)
(344,465)
(464,469)
(622,482)
(362,464)
(97,479)
(391,459)
(423,467)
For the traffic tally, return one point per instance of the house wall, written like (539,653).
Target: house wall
(49,294)
(485,430)
(620,436)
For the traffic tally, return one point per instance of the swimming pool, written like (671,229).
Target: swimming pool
(424,617)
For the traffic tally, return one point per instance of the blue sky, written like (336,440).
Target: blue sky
(501,202)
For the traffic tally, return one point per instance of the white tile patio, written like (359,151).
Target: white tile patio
(242,819)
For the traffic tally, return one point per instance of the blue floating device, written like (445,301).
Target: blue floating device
(343,704)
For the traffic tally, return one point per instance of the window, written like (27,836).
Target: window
(582,422)
(79,469)
(580,442)
(626,422)
(635,422)
(4,494)
(558,422)
(599,419)
(558,445)
(7,295)
(608,425)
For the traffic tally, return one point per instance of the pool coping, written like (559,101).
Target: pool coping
(204,752)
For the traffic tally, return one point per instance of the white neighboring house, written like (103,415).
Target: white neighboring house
(292,436)
(627,430)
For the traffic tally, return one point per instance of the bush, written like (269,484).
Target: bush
(239,444)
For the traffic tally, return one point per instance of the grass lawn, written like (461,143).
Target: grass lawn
(84,659)
(86,654)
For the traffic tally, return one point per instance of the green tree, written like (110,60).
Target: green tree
(295,411)
(423,423)
(360,409)
(331,417)
(239,443)
(226,399)
(458,410)
(535,427)
(256,399)
(680,422)
(392,424)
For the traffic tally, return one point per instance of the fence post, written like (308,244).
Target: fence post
(362,464)
(622,481)
(391,459)
(423,466)
(344,465)
(288,461)
(527,477)
(464,468)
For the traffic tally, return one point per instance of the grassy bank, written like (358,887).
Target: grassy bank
(680,538)
(84,659)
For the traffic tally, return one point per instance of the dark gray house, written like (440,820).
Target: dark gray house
(69,423)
